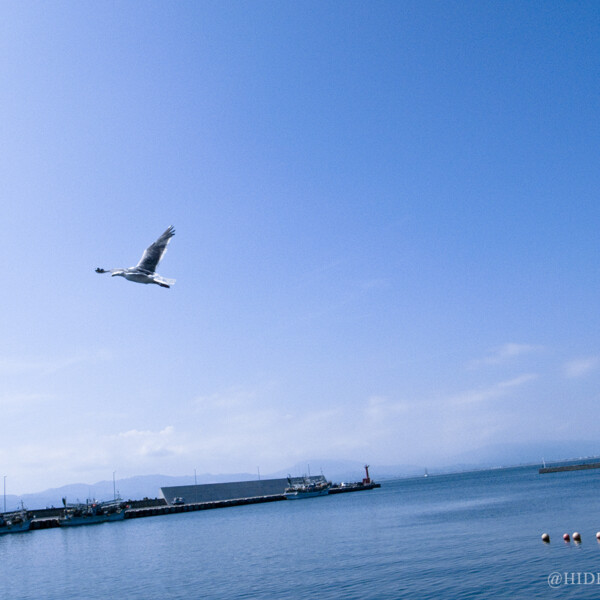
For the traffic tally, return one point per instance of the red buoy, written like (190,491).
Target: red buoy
(566,537)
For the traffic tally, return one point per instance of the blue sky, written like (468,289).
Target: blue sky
(387,233)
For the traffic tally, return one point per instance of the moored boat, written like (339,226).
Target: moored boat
(14,522)
(307,489)
(92,513)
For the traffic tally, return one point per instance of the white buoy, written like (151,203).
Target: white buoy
(545,538)
(576,537)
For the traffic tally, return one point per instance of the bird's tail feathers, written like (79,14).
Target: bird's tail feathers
(164,280)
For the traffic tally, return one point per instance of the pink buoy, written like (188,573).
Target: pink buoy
(566,537)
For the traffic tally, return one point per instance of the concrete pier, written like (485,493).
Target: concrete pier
(353,487)
(578,467)
(168,509)
(157,507)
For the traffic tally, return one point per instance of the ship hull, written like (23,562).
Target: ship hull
(16,528)
(91,520)
(301,495)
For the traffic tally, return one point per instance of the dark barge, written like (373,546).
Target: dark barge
(577,467)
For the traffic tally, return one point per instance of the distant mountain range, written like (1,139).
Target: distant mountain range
(148,486)
(132,488)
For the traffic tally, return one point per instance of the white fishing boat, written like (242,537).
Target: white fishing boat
(92,513)
(307,489)
(14,522)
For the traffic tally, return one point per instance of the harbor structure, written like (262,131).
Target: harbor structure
(236,490)
(178,499)
(575,467)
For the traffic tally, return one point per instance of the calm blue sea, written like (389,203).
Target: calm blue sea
(474,535)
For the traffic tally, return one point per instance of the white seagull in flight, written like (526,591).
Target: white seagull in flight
(143,272)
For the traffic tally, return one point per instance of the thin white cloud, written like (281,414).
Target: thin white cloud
(86,457)
(19,403)
(493,391)
(235,430)
(504,353)
(150,443)
(45,366)
(581,366)
(381,408)
(517,381)
(233,397)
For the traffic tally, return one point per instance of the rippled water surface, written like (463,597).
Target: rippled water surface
(471,535)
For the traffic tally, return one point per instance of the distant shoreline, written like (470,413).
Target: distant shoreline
(556,466)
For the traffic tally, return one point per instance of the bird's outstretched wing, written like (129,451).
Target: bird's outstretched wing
(155,251)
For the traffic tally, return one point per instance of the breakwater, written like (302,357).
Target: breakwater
(353,487)
(578,467)
(157,507)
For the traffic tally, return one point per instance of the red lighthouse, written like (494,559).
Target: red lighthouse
(367,479)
